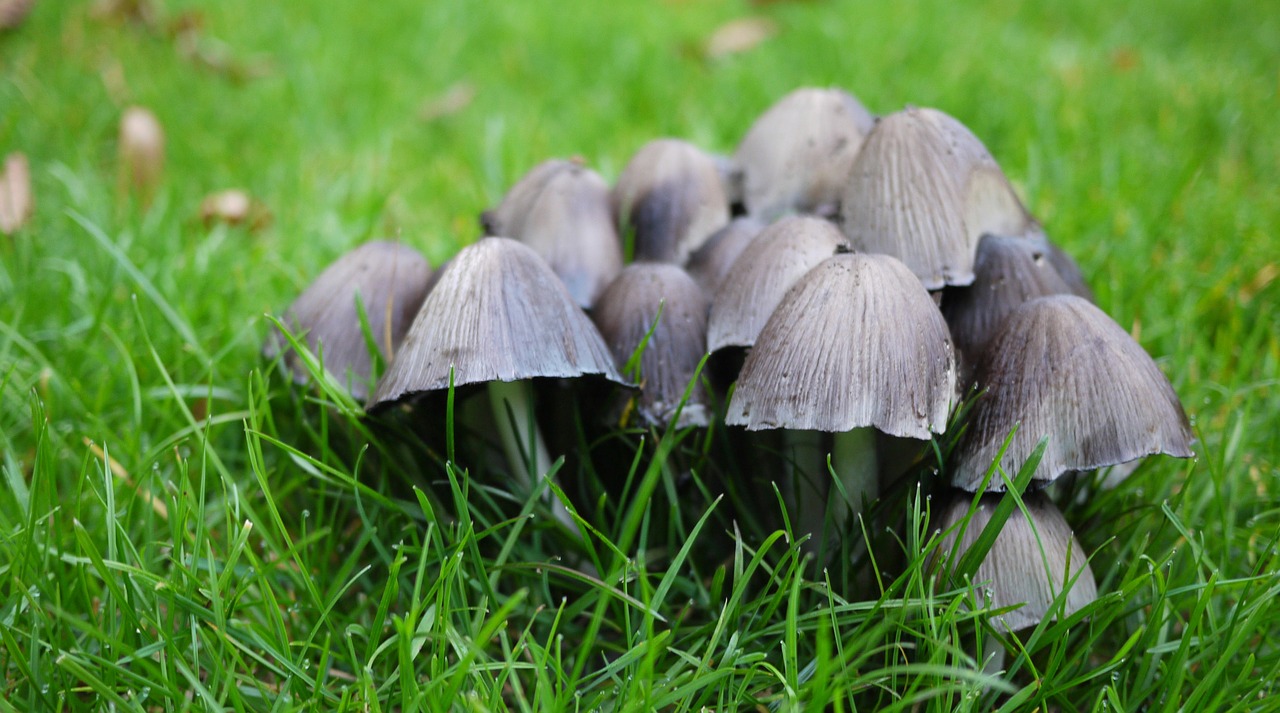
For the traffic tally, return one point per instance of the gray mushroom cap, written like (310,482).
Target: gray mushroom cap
(798,153)
(709,264)
(924,189)
(672,195)
(762,274)
(497,314)
(626,312)
(1007,273)
(857,342)
(561,210)
(391,281)
(1060,367)
(1031,562)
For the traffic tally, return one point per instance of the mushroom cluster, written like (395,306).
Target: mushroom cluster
(855,276)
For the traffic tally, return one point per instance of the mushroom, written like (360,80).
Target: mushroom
(16,203)
(642,294)
(1007,273)
(387,280)
(498,316)
(1034,560)
(141,148)
(856,346)
(709,264)
(561,210)
(762,274)
(1060,367)
(797,155)
(924,189)
(671,195)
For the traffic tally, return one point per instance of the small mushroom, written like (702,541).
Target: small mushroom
(672,196)
(856,346)
(16,202)
(561,210)
(141,149)
(1031,563)
(625,313)
(924,189)
(797,155)
(234,206)
(1060,367)
(1007,273)
(14,12)
(498,316)
(762,274)
(709,264)
(390,282)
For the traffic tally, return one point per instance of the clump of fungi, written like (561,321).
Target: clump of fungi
(870,274)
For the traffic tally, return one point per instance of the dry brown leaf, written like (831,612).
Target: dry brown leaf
(740,35)
(16,203)
(453,100)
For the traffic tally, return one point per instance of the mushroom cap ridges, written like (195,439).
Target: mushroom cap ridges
(924,189)
(626,312)
(672,196)
(857,342)
(762,274)
(1029,561)
(561,209)
(498,313)
(797,154)
(1060,367)
(391,280)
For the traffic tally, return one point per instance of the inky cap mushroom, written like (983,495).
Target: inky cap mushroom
(924,189)
(625,313)
(856,343)
(1060,367)
(561,210)
(497,314)
(1030,563)
(709,264)
(672,196)
(391,282)
(763,273)
(797,155)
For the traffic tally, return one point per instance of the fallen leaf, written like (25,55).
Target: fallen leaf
(453,100)
(16,202)
(739,35)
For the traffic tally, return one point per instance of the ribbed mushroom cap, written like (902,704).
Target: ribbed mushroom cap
(709,264)
(391,280)
(625,313)
(1016,569)
(797,155)
(561,210)
(924,189)
(1007,273)
(1060,367)
(497,314)
(857,342)
(671,194)
(762,274)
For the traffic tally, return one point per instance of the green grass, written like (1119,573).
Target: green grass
(230,542)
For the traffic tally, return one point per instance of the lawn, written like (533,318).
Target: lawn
(182,528)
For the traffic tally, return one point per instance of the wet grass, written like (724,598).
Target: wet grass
(182,529)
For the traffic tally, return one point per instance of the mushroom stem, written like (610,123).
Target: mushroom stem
(512,403)
(853,458)
(807,495)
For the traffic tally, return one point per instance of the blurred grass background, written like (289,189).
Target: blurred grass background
(1142,135)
